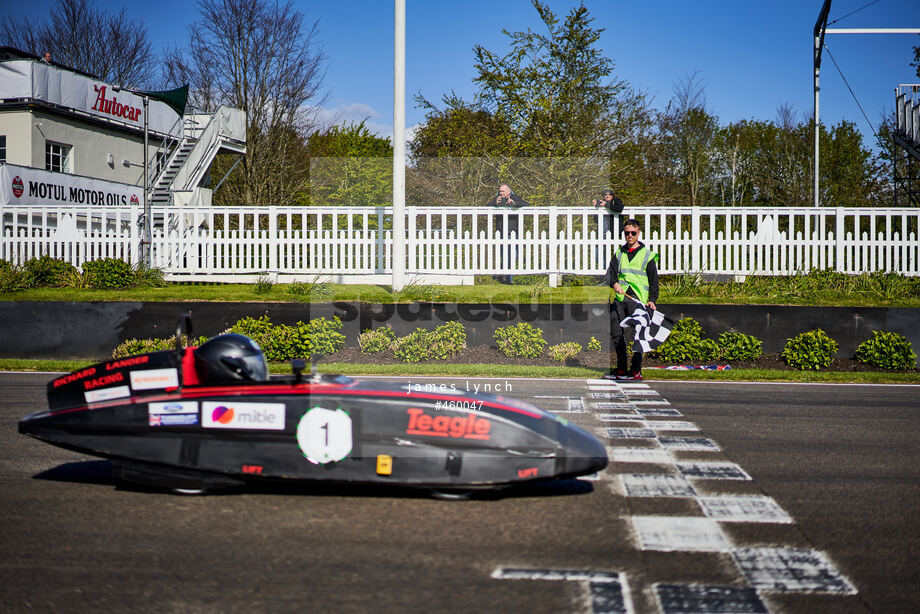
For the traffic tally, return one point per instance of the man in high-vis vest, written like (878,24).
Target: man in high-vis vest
(633,271)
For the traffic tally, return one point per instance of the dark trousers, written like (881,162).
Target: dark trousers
(507,253)
(620,310)
(612,225)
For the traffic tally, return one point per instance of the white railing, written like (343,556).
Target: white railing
(353,244)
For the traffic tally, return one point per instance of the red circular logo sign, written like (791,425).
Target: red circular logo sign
(17,186)
(134,200)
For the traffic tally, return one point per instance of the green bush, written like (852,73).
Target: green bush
(304,292)
(443,342)
(520,340)
(594,345)
(133,347)
(256,329)
(686,344)
(264,284)
(282,343)
(12,278)
(376,340)
(447,340)
(811,350)
(323,336)
(148,277)
(111,273)
(738,346)
(47,271)
(414,347)
(562,352)
(887,350)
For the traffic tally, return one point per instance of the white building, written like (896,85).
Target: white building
(69,139)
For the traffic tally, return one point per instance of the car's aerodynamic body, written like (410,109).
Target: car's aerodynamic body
(162,426)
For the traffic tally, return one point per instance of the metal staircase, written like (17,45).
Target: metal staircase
(161,190)
(907,136)
(188,159)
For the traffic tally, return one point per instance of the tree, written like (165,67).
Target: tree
(546,115)
(350,166)
(260,58)
(688,130)
(78,35)
(735,156)
(552,89)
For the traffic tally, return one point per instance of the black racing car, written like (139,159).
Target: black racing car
(204,418)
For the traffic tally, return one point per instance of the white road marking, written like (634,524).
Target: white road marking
(669,533)
(743,508)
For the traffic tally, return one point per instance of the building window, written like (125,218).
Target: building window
(2,149)
(57,157)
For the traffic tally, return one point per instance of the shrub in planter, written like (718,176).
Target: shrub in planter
(520,340)
(414,347)
(322,335)
(562,352)
(811,350)
(47,271)
(372,341)
(282,343)
(133,347)
(108,273)
(686,344)
(447,340)
(738,346)
(594,345)
(887,350)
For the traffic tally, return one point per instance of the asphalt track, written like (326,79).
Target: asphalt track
(834,488)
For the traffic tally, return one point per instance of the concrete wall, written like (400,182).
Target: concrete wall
(58,330)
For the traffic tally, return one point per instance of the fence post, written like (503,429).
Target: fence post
(840,252)
(272,239)
(553,249)
(695,243)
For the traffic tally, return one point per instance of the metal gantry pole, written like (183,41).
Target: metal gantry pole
(148,218)
(399,146)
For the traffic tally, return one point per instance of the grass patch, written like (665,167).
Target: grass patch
(489,370)
(815,288)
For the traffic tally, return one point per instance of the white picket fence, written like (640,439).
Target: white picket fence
(450,245)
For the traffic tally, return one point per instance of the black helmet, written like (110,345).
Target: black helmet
(230,357)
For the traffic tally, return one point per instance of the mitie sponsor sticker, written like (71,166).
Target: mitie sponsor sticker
(230,415)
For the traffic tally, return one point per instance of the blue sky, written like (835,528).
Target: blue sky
(753,55)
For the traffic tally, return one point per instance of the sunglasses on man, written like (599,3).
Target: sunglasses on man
(630,233)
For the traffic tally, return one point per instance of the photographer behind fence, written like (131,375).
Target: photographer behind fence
(507,199)
(613,220)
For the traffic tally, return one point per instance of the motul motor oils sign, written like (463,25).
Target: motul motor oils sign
(20,185)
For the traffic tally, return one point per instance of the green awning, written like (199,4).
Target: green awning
(176,99)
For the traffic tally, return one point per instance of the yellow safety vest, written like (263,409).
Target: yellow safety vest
(632,272)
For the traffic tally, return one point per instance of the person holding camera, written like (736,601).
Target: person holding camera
(614,207)
(506,199)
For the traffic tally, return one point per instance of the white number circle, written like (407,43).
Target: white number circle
(324,435)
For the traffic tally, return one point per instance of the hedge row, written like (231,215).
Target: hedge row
(105,273)
(809,350)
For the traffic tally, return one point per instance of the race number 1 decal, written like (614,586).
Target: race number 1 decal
(324,435)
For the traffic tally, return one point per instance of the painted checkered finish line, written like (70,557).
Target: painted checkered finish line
(687,500)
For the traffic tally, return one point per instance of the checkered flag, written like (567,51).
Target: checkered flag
(651,329)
